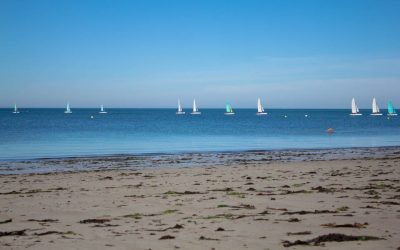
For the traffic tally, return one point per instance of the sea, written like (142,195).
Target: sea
(49,133)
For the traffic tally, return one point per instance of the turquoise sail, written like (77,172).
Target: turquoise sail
(228,108)
(390,108)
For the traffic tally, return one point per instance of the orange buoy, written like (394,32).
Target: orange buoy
(330,131)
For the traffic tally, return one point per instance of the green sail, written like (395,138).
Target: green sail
(390,108)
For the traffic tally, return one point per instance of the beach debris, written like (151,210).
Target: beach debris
(43,221)
(298,233)
(170,211)
(136,216)
(302,191)
(106,225)
(238,194)
(177,226)
(241,206)
(385,202)
(183,193)
(228,189)
(342,208)
(277,209)
(105,178)
(321,189)
(13,233)
(303,212)
(354,225)
(55,232)
(227,216)
(167,237)
(33,191)
(329,238)
(6,221)
(206,238)
(220,229)
(289,220)
(135,196)
(343,215)
(371,207)
(94,221)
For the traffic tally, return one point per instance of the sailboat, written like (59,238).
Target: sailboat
(195,109)
(180,110)
(375,108)
(68,109)
(102,111)
(15,109)
(229,110)
(391,111)
(354,108)
(260,109)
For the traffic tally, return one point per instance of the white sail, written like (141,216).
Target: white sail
(354,108)
(15,109)
(179,106)
(102,111)
(180,110)
(68,109)
(195,109)
(375,108)
(260,108)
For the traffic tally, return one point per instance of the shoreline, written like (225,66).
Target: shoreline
(190,159)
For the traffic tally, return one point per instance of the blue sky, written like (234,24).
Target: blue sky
(292,54)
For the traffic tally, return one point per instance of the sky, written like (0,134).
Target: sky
(149,53)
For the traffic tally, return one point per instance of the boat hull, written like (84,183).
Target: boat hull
(392,114)
(67,112)
(357,114)
(102,112)
(180,113)
(229,113)
(376,114)
(195,113)
(261,113)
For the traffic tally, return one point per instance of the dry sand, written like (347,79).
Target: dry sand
(240,206)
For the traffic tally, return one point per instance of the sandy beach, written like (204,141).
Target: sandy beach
(328,203)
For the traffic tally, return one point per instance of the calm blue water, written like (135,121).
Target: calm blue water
(36,133)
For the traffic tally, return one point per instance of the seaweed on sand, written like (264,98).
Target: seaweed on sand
(94,221)
(177,226)
(13,233)
(348,225)
(329,238)
(167,237)
(6,221)
(302,212)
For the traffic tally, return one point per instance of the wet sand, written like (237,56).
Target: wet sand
(244,204)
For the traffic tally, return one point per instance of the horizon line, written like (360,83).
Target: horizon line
(174,108)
